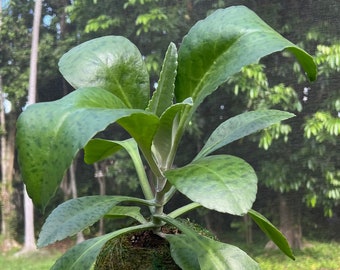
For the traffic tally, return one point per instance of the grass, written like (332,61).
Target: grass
(319,256)
(38,260)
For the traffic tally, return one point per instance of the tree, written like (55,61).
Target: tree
(29,243)
(13,74)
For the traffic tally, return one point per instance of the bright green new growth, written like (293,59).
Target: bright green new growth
(112,85)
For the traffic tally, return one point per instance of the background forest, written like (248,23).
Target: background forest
(298,161)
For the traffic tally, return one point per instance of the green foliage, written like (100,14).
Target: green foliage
(70,131)
(232,181)
(163,97)
(133,2)
(273,233)
(313,155)
(240,126)
(154,16)
(14,52)
(323,126)
(112,86)
(88,65)
(76,214)
(328,57)
(310,141)
(214,65)
(193,251)
(253,83)
(102,22)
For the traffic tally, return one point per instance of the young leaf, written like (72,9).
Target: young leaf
(230,182)
(220,45)
(272,232)
(112,63)
(164,138)
(240,126)
(75,215)
(193,251)
(83,255)
(162,98)
(50,134)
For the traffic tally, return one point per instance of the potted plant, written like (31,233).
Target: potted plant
(112,86)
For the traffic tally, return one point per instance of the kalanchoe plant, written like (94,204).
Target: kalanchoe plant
(112,86)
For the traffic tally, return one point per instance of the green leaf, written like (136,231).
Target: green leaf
(272,232)
(142,127)
(192,251)
(126,211)
(50,134)
(220,45)
(83,255)
(206,254)
(162,98)
(164,138)
(112,63)
(99,149)
(240,126)
(76,215)
(230,182)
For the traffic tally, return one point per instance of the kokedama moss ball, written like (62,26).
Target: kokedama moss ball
(142,250)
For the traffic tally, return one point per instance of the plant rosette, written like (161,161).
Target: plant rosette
(112,86)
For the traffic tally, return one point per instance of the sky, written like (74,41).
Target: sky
(5,3)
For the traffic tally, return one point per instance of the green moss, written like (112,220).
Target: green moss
(142,250)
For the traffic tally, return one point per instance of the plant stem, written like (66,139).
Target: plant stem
(182,210)
(132,148)
(159,200)
(143,179)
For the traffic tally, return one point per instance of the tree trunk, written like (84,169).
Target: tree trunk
(100,176)
(7,164)
(69,187)
(248,232)
(7,146)
(29,243)
(72,171)
(290,220)
(290,223)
